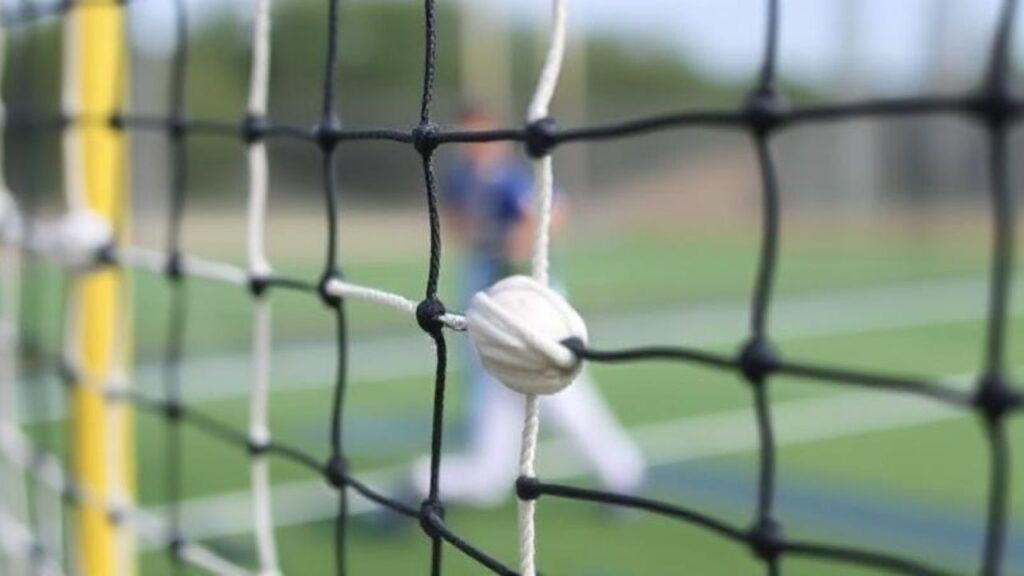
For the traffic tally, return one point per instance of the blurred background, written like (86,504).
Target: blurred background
(884,254)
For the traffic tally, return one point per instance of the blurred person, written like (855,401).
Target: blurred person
(487,201)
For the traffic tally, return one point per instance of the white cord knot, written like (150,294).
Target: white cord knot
(82,234)
(518,326)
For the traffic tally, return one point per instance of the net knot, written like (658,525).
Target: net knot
(995,397)
(518,326)
(116,121)
(540,137)
(765,110)
(429,313)
(174,268)
(431,517)
(995,107)
(757,360)
(766,539)
(425,138)
(176,547)
(258,284)
(177,127)
(82,237)
(173,410)
(336,471)
(254,128)
(329,298)
(528,488)
(328,133)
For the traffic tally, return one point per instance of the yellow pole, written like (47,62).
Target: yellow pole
(100,295)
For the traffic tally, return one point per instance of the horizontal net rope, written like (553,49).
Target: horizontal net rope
(763,116)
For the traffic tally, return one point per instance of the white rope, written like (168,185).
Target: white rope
(544,183)
(344,289)
(156,261)
(259,435)
(539,106)
(259,84)
(43,242)
(262,320)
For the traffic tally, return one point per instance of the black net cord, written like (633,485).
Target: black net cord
(993,382)
(429,311)
(763,106)
(327,131)
(178,309)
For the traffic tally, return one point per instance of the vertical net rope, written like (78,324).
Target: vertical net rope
(35,478)
(543,170)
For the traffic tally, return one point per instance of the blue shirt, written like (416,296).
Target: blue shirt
(490,204)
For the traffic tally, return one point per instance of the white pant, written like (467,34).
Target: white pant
(485,473)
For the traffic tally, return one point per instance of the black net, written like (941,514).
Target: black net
(762,117)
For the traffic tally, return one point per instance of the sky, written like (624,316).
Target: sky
(883,45)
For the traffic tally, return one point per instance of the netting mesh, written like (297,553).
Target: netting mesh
(32,536)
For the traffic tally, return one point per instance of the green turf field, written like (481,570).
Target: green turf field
(855,467)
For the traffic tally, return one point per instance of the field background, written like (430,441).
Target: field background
(901,295)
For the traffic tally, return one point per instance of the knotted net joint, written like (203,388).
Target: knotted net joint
(518,327)
(177,127)
(431,518)
(116,121)
(528,488)
(336,471)
(425,138)
(174,410)
(254,128)
(995,398)
(994,107)
(174,269)
(329,298)
(176,547)
(758,360)
(541,137)
(429,313)
(258,284)
(328,133)
(766,110)
(766,539)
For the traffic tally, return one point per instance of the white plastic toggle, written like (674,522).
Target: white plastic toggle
(517,326)
(82,233)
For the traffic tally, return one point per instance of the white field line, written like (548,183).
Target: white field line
(724,433)
(829,314)
(391,359)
